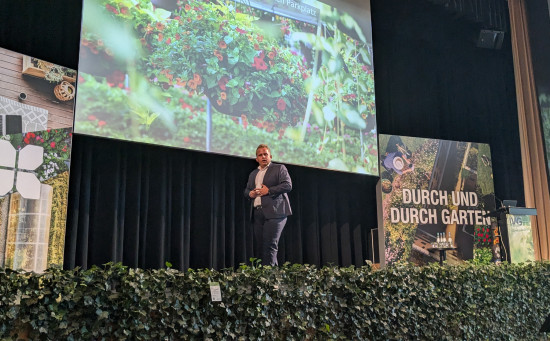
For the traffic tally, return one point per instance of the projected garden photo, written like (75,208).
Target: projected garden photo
(226,76)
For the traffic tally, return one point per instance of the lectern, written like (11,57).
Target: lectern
(515,227)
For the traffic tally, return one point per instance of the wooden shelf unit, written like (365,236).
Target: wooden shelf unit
(31,70)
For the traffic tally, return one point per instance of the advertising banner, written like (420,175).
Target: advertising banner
(520,238)
(434,188)
(36,116)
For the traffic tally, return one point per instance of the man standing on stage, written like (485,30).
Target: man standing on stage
(267,190)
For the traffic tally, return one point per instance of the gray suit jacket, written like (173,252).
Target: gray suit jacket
(276,203)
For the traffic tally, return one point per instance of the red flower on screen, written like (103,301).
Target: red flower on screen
(180,82)
(115,77)
(240,30)
(281,104)
(223,82)
(101,123)
(218,55)
(111,9)
(52,144)
(197,78)
(259,64)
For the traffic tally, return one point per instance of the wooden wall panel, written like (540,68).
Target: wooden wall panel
(39,91)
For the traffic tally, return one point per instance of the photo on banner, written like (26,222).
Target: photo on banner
(36,118)
(432,188)
(225,76)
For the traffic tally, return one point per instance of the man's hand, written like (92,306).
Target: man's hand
(254,193)
(258,192)
(264,190)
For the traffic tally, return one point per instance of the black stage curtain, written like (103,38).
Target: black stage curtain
(144,205)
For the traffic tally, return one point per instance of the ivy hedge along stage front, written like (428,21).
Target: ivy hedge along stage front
(276,80)
(465,302)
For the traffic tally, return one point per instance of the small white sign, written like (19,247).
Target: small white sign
(215,292)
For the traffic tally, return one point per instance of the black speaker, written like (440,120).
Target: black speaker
(490,39)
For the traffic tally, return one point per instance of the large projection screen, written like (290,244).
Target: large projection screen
(224,77)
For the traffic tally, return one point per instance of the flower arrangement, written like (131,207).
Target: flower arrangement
(483,236)
(52,72)
(239,70)
(56,144)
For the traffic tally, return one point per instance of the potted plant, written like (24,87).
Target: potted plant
(49,71)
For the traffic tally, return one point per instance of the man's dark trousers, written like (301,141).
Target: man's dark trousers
(267,233)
